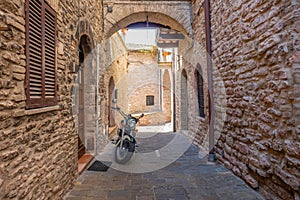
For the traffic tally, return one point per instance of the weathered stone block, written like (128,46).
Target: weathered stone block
(9,155)
(266,117)
(243,148)
(264,161)
(288,178)
(292,148)
(251,181)
(266,130)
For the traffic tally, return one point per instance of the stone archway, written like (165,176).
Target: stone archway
(120,14)
(184,101)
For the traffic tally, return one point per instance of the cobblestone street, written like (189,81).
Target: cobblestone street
(189,177)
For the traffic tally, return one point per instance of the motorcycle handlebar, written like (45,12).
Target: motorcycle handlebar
(124,114)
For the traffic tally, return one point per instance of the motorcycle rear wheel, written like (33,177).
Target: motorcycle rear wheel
(124,154)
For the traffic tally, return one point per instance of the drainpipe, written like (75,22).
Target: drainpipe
(209,74)
(174,63)
(97,94)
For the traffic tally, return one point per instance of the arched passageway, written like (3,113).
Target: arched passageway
(122,13)
(84,49)
(164,15)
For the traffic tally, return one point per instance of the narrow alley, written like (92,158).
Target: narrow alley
(191,177)
(222,76)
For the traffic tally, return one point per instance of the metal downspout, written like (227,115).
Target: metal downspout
(209,74)
(96,96)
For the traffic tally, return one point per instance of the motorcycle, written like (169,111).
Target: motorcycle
(126,142)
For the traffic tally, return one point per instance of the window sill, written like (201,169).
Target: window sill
(35,111)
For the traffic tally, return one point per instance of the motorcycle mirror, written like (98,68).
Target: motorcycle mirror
(116,94)
(142,115)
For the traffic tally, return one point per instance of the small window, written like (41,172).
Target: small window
(200,89)
(40,83)
(150,100)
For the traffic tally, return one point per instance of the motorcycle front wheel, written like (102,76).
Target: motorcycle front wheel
(123,154)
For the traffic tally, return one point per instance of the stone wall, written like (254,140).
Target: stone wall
(197,126)
(254,50)
(193,52)
(118,71)
(38,147)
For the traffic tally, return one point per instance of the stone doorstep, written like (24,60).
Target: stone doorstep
(84,161)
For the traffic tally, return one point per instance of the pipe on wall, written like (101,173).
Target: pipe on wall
(209,73)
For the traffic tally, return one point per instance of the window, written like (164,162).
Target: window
(40,82)
(149,100)
(199,79)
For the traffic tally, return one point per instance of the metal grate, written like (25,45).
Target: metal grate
(99,166)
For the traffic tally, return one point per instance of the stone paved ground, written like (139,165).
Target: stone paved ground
(189,177)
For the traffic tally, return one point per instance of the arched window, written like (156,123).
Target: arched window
(200,91)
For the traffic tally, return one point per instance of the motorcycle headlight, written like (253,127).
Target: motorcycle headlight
(131,123)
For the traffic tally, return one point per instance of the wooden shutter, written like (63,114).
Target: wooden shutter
(50,56)
(34,73)
(40,54)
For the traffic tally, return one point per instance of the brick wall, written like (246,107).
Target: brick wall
(253,47)
(118,70)
(144,79)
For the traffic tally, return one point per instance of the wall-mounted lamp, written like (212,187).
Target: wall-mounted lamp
(109,9)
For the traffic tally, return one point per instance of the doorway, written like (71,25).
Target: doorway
(84,49)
